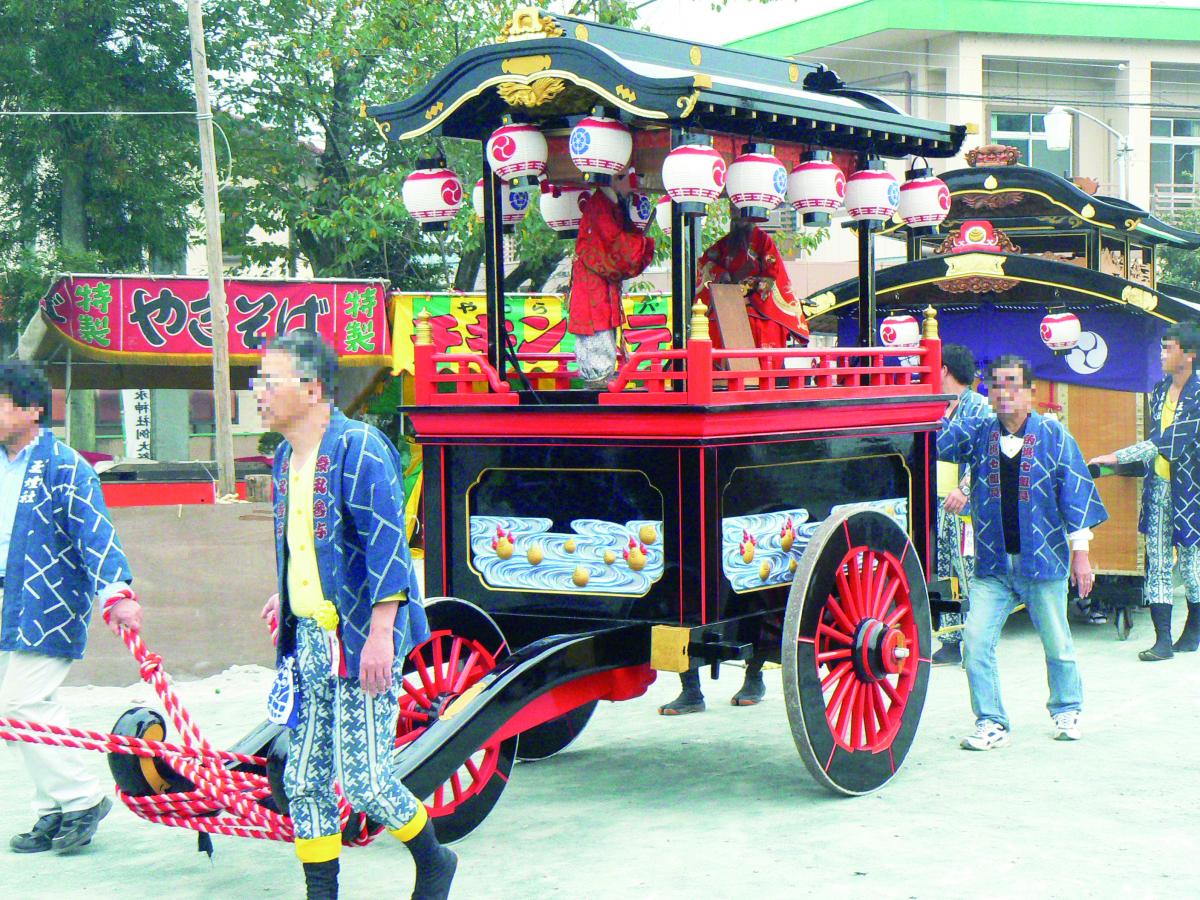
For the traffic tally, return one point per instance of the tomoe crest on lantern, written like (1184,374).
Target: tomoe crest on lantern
(900,331)
(694,176)
(1060,332)
(816,187)
(432,194)
(924,199)
(756,182)
(517,153)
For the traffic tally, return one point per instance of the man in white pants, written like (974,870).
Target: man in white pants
(59,550)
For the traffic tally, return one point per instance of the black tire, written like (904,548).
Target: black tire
(856,625)
(141,776)
(554,736)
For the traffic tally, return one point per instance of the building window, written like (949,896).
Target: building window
(109,421)
(1027,132)
(1174,154)
(202,413)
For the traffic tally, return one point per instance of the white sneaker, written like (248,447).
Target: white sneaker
(1066,726)
(988,735)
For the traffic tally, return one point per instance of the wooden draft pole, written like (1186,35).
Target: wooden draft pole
(226,483)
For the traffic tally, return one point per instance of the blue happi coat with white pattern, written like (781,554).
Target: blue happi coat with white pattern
(64,551)
(1056,494)
(358,534)
(1179,442)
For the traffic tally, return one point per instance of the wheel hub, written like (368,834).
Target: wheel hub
(879,650)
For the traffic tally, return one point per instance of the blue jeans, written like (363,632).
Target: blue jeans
(992,599)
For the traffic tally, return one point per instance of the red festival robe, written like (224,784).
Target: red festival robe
(774,313)
(607,251)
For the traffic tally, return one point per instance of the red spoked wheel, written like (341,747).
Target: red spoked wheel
(856,651)
(464,646)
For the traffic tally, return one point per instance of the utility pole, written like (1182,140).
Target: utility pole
(226,483)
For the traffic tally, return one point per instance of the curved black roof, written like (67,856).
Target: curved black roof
(551,68)
(1012,196)
(1009,280)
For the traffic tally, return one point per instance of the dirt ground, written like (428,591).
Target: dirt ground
(715,805)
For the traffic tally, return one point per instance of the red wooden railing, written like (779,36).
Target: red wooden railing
(697,375)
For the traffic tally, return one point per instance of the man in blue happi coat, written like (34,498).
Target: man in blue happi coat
(349,611)
(954,491)
(1033,505)
(1171,492)
(60,552)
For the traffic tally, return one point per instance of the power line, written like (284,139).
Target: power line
(92,112)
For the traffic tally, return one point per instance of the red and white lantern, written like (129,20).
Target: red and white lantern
(694,176)
(1061,331)
(816,187)
(433,195)
(517,153)
(513,204)
(662,214)
(924,199)
(900,331)
(562,207)
(757,182)
(640,208)
(601,148)
(872,194)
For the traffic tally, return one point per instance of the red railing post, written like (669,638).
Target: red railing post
(699,357)
(933,349)
(423,366)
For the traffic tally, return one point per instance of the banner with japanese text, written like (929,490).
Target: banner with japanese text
(169,320)
(538,322)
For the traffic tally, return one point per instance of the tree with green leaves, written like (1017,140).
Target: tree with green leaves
(92,190)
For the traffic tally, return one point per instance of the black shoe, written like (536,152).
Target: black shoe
(752,690)
(435,864)
(321,880)
(78,828)
(1160,614)
(690,699)
(38,838)
(948,655)
(1189,641)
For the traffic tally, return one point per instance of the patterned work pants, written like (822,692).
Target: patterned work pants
(951,562)
(346,735)
(1158,587)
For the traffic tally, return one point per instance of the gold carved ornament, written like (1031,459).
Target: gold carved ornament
(525,65)
(543,90)
(625,93)
(528,23)
(1139,297)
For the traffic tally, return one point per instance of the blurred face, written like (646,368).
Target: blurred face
(283,396)
(1174,360)
(16,421)
(1008,392)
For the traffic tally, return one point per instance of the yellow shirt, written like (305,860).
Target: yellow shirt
(1162,468)
(304,581)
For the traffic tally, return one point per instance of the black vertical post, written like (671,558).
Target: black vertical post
(493,261)
(866,284)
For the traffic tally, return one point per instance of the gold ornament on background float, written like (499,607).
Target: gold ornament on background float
(635,555)
(580,576)
(503,544)
(647,534)
(747,546)
(535,554)
(569,546)
(609,557)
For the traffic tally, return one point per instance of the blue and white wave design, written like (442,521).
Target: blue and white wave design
(765,528)
(557,568)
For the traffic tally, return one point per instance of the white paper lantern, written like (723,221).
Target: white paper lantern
(601,148)
(924,199)
(816,187)
(433,195)
(1060,331)
(662,214)
(872,195)
(562,207)
(640,208)
(900,331)
(517,153)
(513,204)
(694,176)
(757,182)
